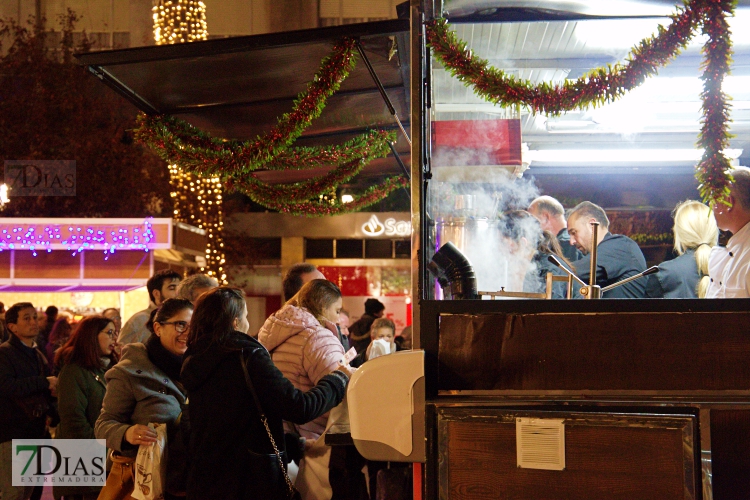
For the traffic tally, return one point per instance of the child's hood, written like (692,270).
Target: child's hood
(285,323)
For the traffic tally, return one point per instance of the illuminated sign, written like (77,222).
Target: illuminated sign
(391,227)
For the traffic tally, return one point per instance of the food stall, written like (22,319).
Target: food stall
(529,398)
(634,398)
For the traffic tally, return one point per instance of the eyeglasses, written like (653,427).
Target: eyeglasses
(111,333)
(179,326)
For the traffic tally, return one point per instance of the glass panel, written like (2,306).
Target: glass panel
(349,249)
(634,157)
(378,249)
(318,249)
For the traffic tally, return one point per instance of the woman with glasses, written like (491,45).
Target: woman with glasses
(143,388)
(85,357)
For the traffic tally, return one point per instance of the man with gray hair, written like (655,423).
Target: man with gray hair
(194,286)
(728,267)
(551,216)
(618,257)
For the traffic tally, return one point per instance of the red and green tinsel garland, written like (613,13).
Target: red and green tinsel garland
(178,142)
(321,208)
(597,87)
(608,84)
(168,135)
(712,171)
(312,188)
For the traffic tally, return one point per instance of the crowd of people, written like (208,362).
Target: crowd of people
(236,407)
(701,269)
(187,370)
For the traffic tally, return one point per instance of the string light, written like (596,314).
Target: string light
(77,238)
(179,21)
(197,200)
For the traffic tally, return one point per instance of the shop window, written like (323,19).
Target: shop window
(403,249)
(378,249)
(319,249)
(349,249)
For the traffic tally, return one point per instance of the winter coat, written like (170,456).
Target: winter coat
(80,393)
(23,375)
(138,392)
(304,351)
(224,419)
(677,278)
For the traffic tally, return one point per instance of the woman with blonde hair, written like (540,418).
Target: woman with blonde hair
(686,276)
(301,337)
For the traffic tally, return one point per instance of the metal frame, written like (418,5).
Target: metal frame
(241,43)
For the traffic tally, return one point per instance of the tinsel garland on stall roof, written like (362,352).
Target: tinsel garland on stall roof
(169,136)
(300,192)
(176,141)
(711,172)
(604,85)
(318,208)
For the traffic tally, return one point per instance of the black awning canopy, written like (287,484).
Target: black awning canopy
(237,88)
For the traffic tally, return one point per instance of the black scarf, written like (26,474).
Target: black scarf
(169,363)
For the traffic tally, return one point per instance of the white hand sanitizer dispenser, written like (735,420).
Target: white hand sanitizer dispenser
(386,408)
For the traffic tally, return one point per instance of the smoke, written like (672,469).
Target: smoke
(469,205)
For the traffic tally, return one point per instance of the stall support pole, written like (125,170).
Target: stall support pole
(382,91)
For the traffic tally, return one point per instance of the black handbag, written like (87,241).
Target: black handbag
(268,471)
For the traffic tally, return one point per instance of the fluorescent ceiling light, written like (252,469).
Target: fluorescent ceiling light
(620,155)
(625,33)
(616,33)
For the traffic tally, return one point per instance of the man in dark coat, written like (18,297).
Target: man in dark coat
(618,257)
(551,216)
(359,332)
(25,391)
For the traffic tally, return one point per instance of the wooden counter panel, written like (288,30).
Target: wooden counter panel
(478,461)
(730,454)
(599,351)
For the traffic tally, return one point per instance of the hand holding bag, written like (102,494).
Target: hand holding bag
(267,471)
(151,467)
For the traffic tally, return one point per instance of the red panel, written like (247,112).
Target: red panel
(351,280)
(273,304)
(477,142)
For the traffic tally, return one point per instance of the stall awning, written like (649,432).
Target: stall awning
(236,88)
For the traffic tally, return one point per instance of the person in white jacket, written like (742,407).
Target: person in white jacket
(301,337)
(729,267)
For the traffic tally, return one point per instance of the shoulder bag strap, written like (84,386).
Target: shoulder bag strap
(263,419)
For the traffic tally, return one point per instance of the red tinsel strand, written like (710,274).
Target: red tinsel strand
(303,191)
(179,142)
(297,158)
(712,170)
(607,84)
(372,195)
(599,86)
